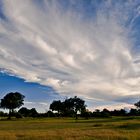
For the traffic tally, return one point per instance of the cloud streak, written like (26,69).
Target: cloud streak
(76,51)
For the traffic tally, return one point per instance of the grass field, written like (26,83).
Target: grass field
(115,128)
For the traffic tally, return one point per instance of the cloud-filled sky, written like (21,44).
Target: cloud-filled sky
(63,48)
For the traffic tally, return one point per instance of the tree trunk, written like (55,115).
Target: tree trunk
(58,113)
(76,116)
(9,116)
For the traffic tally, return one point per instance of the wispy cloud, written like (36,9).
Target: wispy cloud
(76,51)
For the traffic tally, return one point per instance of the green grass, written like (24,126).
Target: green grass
(115,128)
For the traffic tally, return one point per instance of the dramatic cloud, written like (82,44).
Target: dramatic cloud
(78,48)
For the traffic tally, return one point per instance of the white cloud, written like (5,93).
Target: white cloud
(39,106)
(88,57)
(116,106)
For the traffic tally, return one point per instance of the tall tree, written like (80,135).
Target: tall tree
(56,106)
(12,101)
(70,107)
(79,105)
(76,105)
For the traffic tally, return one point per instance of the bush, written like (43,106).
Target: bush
(50,114)
(18,115)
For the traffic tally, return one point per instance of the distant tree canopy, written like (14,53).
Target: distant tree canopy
(24,111)
(12,101)
(28,112)
(69,107)
(56,106)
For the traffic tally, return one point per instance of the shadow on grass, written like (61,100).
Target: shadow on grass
(129,126)
(12,119)
(104,120)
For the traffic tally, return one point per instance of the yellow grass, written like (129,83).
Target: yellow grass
(69,129)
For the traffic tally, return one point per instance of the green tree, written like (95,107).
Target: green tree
(12,101)
(69,107)
(33,113)
(24,111)
(78,105)
(56,106)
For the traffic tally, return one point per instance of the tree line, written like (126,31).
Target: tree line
(70,107)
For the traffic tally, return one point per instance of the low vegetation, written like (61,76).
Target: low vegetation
(115,128)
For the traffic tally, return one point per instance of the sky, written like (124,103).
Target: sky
(55,49)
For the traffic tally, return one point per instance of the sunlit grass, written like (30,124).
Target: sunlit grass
(115,128)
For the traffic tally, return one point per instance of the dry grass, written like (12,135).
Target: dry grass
(69,129)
